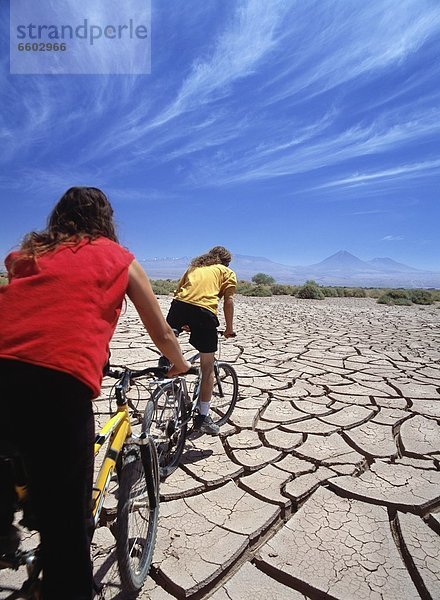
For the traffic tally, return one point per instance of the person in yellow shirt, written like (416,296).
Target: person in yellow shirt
(195,307)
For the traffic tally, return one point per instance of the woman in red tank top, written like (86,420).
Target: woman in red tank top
(66,288)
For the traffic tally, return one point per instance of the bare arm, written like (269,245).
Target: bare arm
(140,292)
(228,310)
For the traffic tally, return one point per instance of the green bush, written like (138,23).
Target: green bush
(263,279)
(3,279)
(343,292)
(329,292)
(354,293)
(310,292)
(163,286)
(399,297)
(283,290)
(243,287)
(421,297)
(311,282)
(375,292)
(258,290)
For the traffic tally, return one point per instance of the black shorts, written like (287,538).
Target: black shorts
(202,322)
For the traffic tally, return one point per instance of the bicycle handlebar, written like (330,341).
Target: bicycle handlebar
(159,372)
(134,373)
(220,332)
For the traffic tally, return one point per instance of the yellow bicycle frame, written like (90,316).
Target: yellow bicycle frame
(116,430)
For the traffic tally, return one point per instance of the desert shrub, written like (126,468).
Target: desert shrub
(375,292)
(279,289)
(310,292)
(354,293)
(421,297)
(163,286)
(311,282)
(243,287)
(263,279)
(399,297)
(258,290)
(339,291)
(329,292)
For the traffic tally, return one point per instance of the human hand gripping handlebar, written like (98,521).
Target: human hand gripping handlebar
(228,335)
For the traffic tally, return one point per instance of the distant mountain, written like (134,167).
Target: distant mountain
(248,266)
(388,264)
(342,268)
(245,267)
(165,268)
(341,261)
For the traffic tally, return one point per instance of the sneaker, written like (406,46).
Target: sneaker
(205,424)
(10,542)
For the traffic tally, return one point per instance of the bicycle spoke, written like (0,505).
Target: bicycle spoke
(164,420)
(138,510)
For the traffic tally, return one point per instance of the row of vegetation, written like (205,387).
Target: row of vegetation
(263,285)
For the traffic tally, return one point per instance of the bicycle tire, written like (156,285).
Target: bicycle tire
(225,392)
(165,420)
(137,516)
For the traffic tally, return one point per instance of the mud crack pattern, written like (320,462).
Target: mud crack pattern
(325,482)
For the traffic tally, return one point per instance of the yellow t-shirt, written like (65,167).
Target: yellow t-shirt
(204,286)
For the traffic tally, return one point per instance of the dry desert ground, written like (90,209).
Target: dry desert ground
(325,483)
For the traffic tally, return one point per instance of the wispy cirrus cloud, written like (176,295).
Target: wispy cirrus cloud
(249,37)
(241,46)
(275,38)
(400,172)
(249,102)
(320,151)
(350,41)
(393,238)
(369,212)
(240,112)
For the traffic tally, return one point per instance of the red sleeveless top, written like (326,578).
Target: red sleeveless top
(61,310)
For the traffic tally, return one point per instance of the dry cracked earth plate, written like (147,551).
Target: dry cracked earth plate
(325,483)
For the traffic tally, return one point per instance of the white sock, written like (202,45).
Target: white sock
(204,408)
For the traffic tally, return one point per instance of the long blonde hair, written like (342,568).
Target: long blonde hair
(215,256)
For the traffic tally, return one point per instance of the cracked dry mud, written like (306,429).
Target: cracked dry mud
(325,483)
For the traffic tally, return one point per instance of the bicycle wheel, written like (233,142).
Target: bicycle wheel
(225,393)
(165,420)
(137,516)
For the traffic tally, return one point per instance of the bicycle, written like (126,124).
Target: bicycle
(133,459)
(173,406)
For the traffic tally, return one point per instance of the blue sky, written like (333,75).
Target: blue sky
(288,129)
